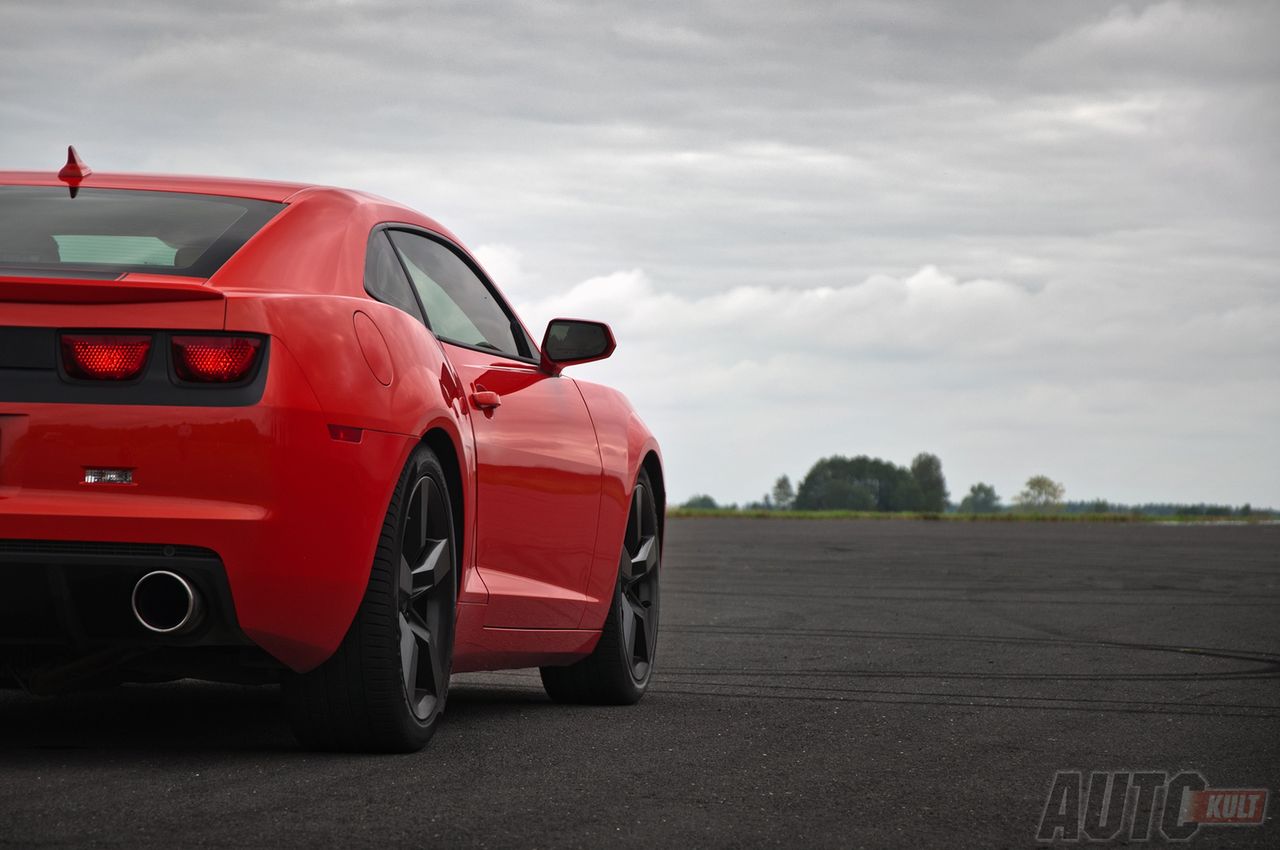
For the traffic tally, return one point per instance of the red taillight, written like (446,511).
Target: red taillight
(214,359)
(99,357)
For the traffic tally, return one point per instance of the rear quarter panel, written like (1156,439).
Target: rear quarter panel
(301,280)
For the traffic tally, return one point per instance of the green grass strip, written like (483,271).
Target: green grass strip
(1009,516)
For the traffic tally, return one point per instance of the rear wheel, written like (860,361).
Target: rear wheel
(384,689)
(618,671)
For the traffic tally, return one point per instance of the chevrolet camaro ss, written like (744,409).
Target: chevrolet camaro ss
(266,433)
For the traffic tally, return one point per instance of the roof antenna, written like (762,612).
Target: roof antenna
(74,171)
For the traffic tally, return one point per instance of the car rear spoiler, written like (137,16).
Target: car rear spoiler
(130,289)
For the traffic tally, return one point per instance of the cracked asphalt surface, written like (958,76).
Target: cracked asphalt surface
(819,684)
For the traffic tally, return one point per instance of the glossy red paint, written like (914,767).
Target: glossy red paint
(75,170)
(293,511)
(538,477)
(374,347)
(626,445)
(141,290)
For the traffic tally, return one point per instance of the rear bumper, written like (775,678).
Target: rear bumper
(292,514)
(78,596)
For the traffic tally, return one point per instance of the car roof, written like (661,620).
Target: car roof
(261,190)
(277,191)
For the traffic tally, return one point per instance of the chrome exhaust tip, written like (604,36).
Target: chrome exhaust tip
(166,603)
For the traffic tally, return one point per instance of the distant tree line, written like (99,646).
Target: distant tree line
(854,484)
(870,484)
(1102,506)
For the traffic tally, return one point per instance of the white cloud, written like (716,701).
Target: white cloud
(1002,381)
(505,266)
(663,36)
(1027,236)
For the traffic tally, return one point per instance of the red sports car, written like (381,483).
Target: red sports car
(270,432)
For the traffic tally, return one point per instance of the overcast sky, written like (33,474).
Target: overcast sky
(1028,237)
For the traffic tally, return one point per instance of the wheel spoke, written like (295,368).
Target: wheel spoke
(646,559)
(406,582)
(640,646)
(426,678)
(408,656)
(417,519)
(435,566)
(421,668)
(628,626)
(419,630)
(434,667)
(624,569)
(640,570)
(634,525)
(423,511)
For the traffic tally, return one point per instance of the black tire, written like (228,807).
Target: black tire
(385,687)
(618,671)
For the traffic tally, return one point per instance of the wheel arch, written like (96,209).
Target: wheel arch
(652,464)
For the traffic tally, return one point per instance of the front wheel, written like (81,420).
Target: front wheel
(617,672)
(384,689)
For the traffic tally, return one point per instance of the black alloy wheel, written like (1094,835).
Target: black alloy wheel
(638,584)
(426,599)
(618,671)
(384,688)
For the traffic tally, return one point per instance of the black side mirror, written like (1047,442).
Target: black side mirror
(569,341)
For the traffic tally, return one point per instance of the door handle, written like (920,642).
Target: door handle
(485,400)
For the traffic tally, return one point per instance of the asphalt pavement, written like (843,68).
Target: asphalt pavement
(818,684)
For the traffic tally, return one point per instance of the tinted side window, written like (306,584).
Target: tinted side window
(460,307)
(384,278)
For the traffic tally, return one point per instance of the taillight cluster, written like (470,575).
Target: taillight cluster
(210,359)
(104,358)
(214,359)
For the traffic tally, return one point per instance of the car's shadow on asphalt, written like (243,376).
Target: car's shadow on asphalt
(197,717)
(183,716)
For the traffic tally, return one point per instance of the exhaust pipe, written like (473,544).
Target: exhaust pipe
(166,603)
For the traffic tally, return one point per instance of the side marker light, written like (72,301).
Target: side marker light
(346,433)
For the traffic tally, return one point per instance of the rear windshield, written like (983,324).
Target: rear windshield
(107,232)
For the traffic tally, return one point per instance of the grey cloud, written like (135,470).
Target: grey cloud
(1116,160)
